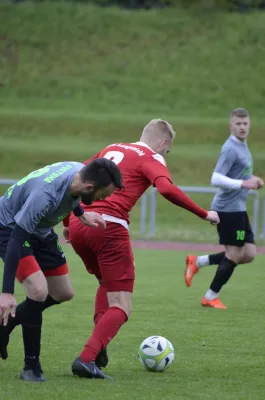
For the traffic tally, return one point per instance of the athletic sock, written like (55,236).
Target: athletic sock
(223,274)
(15,321)
(210,295)
(105,330)
(211,259)
(101,304)
(49,302)
(216,259)
(202,261)
(31,319)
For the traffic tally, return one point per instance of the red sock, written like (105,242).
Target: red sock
(105,330)
(101,303)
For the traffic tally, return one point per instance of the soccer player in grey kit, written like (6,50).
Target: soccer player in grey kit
(233,174)
(30,249)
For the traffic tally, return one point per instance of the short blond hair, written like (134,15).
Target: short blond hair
(159,126)
(240,113)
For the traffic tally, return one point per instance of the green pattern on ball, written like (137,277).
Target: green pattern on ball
(168,350)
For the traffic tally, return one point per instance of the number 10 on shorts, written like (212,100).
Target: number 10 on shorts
(240,235)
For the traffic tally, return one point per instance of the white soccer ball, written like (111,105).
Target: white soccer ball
(156,353)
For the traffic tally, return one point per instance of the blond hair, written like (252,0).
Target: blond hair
(240,113)
(159,126)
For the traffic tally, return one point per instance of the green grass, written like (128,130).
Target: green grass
(174,62)
(31,140)
(75,78)
(218,353)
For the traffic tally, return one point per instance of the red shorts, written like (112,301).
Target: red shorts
(106,253)
(28,265)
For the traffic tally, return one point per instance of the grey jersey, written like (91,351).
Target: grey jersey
(41,199)
(235,162)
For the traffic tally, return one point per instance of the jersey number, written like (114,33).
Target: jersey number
(34,174)
(115,156)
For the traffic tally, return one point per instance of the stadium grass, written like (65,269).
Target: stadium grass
(74,78)
(218,353)
(57,55)
(33,139)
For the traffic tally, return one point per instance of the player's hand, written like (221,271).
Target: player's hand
(260,182)
(252,183)
(213,217)
(66,234)
(93,219)
(7,306)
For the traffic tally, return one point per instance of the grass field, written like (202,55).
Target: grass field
(219,354)
(58,56)
(75,78)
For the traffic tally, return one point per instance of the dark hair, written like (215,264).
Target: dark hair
(240,112)
(102,172)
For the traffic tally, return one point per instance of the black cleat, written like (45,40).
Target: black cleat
(102,359)
(32,375)
(87,370)
(4,340)
(32,372)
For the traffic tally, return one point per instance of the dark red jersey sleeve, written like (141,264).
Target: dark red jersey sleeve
(155,167)
(176,196)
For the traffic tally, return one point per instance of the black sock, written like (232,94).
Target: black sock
(13,322)
(223,274)
(31,319)
(49,302)
(216,259)
(32,346)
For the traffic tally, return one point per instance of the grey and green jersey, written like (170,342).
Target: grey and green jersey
(40,200)
(235,162)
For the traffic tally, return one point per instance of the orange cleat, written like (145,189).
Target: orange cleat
(215,303)
(191,269)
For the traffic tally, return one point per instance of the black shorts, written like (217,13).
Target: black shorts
(234,229)
(48,255)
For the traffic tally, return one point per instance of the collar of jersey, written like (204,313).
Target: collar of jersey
(144,145)
(235,139)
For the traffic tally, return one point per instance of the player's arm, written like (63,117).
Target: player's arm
(35,208)
(78,211)
(224,164)
(157,173)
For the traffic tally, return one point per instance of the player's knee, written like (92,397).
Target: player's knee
(121,300)
(66,295)
(249,255)
(38,292)
(235,254)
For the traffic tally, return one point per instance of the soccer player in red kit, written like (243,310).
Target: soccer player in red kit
(107,252)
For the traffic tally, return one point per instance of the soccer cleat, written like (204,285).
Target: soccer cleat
(4,340)
(87,370)
(191,269)
(102,359)
(32,374)
(215,303)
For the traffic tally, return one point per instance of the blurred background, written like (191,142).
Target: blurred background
(77,76)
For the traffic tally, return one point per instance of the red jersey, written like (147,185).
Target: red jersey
(140,167)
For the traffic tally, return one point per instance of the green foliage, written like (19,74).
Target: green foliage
(75,78)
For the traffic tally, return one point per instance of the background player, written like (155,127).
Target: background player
(30,248)
(233,175)
(107,254)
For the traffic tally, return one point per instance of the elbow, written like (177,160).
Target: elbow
(214,180)
(163,190)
